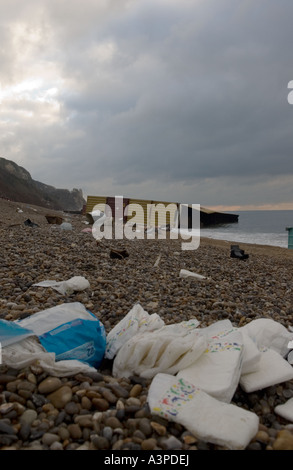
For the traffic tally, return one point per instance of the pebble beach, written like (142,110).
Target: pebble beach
(98,411)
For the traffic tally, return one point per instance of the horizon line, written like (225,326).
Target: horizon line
(253,207)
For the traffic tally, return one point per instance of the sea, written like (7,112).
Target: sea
(257,227)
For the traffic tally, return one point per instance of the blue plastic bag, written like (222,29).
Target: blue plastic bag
(79,339)
(11,333)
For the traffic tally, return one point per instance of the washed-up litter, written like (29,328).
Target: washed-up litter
(93,216)
(29,223)
(272,369)
(184,273)
(195,371)
(236,252)
(168,349)
(54,219)
(10,332)
(289,356)
(74,284)
(136,321)
(217,371)
(225,357)
(97,218)
(157,261)
(63,340)
(268,333)
(65,226)
(207,418)
(285,410)
(120,254)
(273,341)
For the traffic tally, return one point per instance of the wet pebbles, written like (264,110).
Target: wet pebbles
(98,411)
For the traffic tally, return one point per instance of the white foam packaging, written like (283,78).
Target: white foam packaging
(205,417)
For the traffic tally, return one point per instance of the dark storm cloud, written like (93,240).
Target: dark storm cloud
(156,96)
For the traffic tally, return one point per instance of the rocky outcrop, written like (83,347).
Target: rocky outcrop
(64,198)
(17,185)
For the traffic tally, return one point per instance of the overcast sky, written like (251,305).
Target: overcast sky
(174,100)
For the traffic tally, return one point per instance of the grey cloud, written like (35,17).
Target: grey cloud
(163,93)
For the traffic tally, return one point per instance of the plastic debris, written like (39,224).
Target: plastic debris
(267,333)
(272,369)
(250,357)
(205,417)
(285,410)
(94,216)
(168,349)
(30,351)
(217,371)
(136,321)
(185,273)
(54,219)
(69,338)
(157,261)
(120,254)
(74,284)
(11,333)
(236,252)
(29,223)
(66,226)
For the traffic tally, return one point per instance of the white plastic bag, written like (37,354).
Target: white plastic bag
(185,273)
(48,319)
(69,331)
(30,351)
(74,284)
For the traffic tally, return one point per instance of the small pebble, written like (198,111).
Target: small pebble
(60,397)
(49,385)
(148,444)
(48,438)
(284,441)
